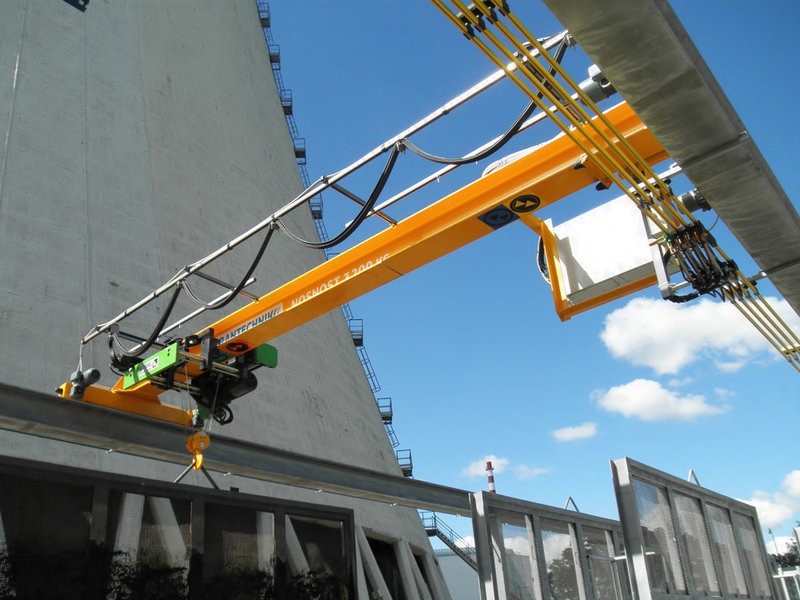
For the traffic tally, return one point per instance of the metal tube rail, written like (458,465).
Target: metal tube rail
(200,310)
(315,188)
(449,168)
(221,283)
(479,87)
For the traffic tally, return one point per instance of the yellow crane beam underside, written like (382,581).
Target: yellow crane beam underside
(593,133)
(450,223)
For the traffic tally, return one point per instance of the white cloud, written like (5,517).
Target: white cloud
(666,336)
(517,545)
(783,543)
(791,484)
(577,432)
(478,468)
(773,509)
(525,472)
(649,401)
(555,543)
(467,541)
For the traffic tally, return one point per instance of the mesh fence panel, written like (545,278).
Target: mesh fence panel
(725,546)
(663,562)
(231,540)
(517,556)
(751,550)
(790,585)
(149,537)
(599,550)
(166,533)
(238,550)
(323,544)
(560,560)
(698,549)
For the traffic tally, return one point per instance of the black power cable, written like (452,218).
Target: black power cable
(235,291)
(122,358)
(362,215)
(501,141)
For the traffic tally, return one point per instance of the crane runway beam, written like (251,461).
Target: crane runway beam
(82,423)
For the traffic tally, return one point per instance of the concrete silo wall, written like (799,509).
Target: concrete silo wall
(136,138)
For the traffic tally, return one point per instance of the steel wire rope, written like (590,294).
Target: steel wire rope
(570,109)
(362,214)
(212,409)
(501,141)
(660,187)
(569,132)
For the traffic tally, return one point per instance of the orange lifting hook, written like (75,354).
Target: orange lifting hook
(196,444)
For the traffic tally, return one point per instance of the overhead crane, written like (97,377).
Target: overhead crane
(594,148)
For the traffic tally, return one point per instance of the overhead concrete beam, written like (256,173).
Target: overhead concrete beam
(57,418)
(644,50)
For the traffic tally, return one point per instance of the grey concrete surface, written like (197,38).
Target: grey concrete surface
(135,138)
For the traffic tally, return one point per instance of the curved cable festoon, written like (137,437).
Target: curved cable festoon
(123,358)
(617,161)
(502,140)
(362,214)
(221,303)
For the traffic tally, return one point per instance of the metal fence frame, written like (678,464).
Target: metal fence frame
(625,471)
(491,510)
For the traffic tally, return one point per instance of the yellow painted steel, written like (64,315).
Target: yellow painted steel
(196,444)
(546,173)
(564,308)
(616,166)
(146,405)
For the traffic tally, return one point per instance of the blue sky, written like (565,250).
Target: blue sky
(470,349)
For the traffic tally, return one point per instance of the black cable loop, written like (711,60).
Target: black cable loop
(541,261)
(362,214)
(235,291)
(124,358)
(503,140)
